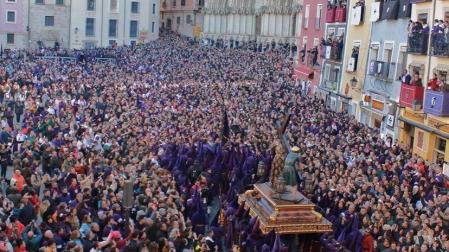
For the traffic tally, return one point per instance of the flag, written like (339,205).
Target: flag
(225,132)
(1,50)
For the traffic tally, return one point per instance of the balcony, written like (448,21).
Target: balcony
(411,96)
(334,51)
(330,85)
(330,14)
(382,70)
(417,43)
(419,1)
(439,45)
(436,103)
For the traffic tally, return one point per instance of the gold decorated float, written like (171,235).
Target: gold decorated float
(284,216)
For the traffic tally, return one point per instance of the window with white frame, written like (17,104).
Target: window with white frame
(10,16)
(59,2)
(319,11)
(113,4)
(306,16)
(133,28)
(401,65)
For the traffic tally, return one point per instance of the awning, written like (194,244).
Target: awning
(424,127)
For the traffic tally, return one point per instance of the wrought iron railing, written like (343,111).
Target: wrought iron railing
(440,44)
(417,43)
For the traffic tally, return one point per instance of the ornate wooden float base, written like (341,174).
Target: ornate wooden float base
(285,217)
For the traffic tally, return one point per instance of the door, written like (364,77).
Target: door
(169,24)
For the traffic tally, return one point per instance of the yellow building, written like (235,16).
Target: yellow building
(355,55)
(424,116)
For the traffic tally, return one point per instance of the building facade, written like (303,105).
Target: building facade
(49,23)
(312,28)
(424,116)
(332,49)
(266,24)
(182,16)
(355,56)
(387,55)
(13,24)
(100,23)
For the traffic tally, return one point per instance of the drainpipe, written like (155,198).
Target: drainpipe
(429,41)
(70,24)
(124,23)
(102,20)
(28,26)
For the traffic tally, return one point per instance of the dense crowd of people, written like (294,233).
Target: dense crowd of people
(75,132)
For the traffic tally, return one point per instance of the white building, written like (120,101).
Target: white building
(48,23)
(100,23)
(266,22)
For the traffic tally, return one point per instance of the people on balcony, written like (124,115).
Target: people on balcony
(416,81)
(440,38)
(405,78)
(434,83)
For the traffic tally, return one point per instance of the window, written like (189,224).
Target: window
(90,26)
(439,150)
(402,61)
(423,18)
(133,27)
(134,7)
(10,38)
(91,5)
(59,2)
(113,5)
(178,20)
(174,3)
(374,52)
(154,8)
(11,1)
(152,27)
(113,27)
(306,16)
(183,2)
(294,26)
(188,19)
(319,10)
(39,2)
(49,20)
(10,16)
(387,55)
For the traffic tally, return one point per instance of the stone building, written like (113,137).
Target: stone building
(265,23)
(13,22)
(49,22)
(182,16)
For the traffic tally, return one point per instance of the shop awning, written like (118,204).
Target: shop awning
(424,127)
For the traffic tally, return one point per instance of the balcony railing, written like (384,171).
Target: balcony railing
(382,70)
(436,103)
(330,85)
(335,52)
(417,43)
(440,44)
(411,96)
